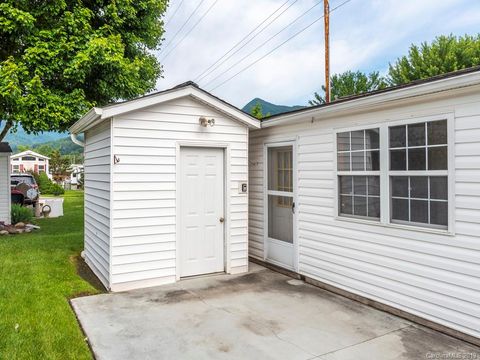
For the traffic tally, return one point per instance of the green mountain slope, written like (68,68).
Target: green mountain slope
(22,138)
(55,140)
(269,108)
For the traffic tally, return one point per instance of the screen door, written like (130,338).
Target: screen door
(280,205)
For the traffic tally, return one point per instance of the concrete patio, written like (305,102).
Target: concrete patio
(259,315)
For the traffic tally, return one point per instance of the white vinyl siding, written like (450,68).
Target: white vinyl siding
(426,272)
(97,200)
(144,188)
(4,188)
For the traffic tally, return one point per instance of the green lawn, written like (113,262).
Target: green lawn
(38,274)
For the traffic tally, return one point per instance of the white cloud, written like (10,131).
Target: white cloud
(365,35)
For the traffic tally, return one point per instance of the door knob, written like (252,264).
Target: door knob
(222,219)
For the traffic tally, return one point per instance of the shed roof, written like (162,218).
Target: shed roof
(189,88)
(5,147)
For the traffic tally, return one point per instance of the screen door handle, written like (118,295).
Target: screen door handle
(293,207)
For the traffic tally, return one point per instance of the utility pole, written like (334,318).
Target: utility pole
(326,17)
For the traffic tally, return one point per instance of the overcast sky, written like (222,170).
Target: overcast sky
(365,35)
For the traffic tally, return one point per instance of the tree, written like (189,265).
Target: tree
(59,58)
(58,165)
(443,55)
(257,111)
(350,83)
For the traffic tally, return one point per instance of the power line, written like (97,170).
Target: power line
(275,48)
(250,40)
(191,29)
(262,44)
(184,24)
(201,76)
(174,13)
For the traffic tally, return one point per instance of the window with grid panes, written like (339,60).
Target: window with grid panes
(419,174)
(358,172)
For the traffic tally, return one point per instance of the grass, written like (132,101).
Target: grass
(38,274)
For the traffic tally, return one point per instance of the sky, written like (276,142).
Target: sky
(365,35)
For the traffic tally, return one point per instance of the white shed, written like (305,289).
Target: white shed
(5,198)
(165,188)
(378,197)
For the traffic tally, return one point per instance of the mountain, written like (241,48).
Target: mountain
(41,142)
(22,138)
(269,108)
(65,145)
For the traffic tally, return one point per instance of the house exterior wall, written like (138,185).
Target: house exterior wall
(97,200)
(144,227)
(5,199)
(20,166)
(432,275)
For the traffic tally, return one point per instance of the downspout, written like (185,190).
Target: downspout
(76,141)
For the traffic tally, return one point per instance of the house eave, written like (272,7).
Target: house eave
(377,100)
(93,116)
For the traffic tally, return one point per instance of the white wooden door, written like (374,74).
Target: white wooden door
(280,205)
(202,211)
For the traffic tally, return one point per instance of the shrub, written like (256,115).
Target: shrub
(21,214)
(47,186)
(56,190)
(43,182)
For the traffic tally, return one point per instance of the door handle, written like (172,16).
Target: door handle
(293,207)
(222,220)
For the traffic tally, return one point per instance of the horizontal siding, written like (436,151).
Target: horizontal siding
(144,190)
(432,275)
(97,200)
(4,189)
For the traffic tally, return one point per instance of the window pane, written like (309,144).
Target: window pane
(438,187)
(374,185)
(419,211)
(280,218)
(398,159)
(357,140)
(400,186)
(400,209)
(437,132)
(372,139)
(360,206)
(345,185)
(398,136)
(373,207)
(343,141)
(346,205)
(343,161)
(437,158)
(373,160)
(358,161)
(360,185)
(419,187)
(417,159)
(279,173)
(439,213)
(416,134)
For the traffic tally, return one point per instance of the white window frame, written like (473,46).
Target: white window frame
(385,173)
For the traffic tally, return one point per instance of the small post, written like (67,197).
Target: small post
(326,12)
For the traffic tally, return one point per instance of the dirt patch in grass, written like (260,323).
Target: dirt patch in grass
(84,271)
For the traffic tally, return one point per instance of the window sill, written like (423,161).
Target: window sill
(395,226)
